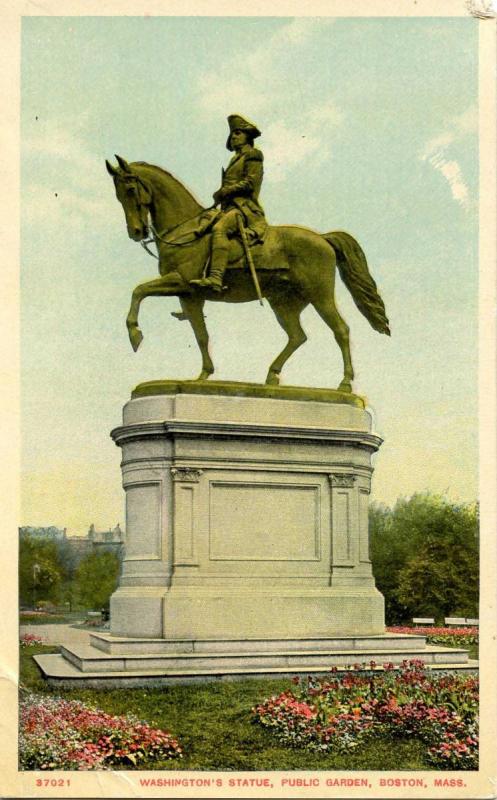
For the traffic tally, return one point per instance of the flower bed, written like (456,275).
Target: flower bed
(339,712)
(30,640)
(452,637)
(94,623)
(67,734)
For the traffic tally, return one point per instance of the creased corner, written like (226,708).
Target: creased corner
(482,9)
(9,676)
(133,790)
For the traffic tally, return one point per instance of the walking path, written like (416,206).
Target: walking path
(58,634)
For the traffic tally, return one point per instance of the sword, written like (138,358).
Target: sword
(248,256)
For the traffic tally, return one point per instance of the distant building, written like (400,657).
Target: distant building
(112,540)
(79,547)
(56,534)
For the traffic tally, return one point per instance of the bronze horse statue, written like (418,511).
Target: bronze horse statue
(296,266)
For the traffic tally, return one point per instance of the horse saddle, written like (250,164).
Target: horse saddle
(191,231)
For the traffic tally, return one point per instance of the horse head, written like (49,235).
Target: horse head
(135,197)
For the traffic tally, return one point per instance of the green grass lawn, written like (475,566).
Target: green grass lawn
(473,652)
(213,722)
(51,619)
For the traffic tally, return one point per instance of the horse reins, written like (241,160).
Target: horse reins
(160,236)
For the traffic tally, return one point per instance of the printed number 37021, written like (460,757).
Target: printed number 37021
(53,782)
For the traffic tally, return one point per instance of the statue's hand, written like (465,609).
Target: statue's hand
(221,194)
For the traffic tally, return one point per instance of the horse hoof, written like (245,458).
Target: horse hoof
(136,338)
(345,386)
(204,375)
(273,378)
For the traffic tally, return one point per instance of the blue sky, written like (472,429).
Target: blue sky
(369,125)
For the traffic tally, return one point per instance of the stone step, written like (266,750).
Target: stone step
(381,642)
(63,674)
(89,659)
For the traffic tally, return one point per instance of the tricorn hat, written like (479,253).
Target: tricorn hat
(236,122)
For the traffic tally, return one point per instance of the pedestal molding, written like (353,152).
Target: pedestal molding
(157,430)
(205,462)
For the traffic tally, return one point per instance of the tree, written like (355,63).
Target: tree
(389,553)
(69,557)
(40,570)
(96,579)
(442,578)
(425,557)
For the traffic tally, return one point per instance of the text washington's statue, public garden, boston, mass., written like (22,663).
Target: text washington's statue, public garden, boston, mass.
(228,253)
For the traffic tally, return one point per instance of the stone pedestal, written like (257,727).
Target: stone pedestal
(247,548)
(246,515)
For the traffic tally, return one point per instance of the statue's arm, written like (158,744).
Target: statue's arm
(252,177)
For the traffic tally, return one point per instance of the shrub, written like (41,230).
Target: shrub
(96,579)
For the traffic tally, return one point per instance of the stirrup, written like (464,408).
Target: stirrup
(208,283)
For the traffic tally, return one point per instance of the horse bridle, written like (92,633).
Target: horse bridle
(133,178)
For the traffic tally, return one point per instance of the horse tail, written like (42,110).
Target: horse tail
(355,274)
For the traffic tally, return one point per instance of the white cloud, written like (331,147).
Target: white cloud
(298,30)
(467,122)
(71,178)
(226,91)
(266,87)
(327,114)
(437,145)
(282,45)
(65,208)
(452,174)
(244,83)
(288,146)
(438,151)
(284,148)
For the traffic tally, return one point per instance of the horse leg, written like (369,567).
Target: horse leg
(193,309)
(157,287)
(328,312)
(287,313)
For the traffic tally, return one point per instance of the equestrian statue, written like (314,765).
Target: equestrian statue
(228,253)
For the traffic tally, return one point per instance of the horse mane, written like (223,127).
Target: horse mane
(169,175)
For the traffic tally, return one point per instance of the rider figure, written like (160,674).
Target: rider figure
(238,198)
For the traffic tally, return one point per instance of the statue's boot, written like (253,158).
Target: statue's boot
(219,262)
